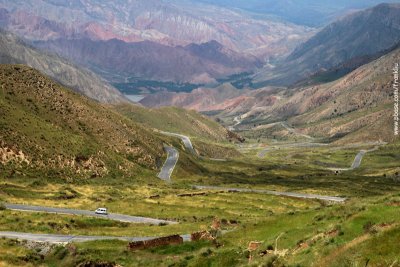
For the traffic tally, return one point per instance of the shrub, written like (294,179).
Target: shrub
(369,228)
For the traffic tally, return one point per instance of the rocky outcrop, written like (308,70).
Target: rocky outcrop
(11,155)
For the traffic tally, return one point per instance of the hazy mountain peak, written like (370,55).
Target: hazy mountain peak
(363,33)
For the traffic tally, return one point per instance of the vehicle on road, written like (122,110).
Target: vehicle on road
(101,211)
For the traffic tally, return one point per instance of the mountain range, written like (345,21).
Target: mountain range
(349,109)
(119,61)
(172,22)
(177,41)
(354,44)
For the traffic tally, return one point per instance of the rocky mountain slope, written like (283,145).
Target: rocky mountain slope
(202,99)
(361,34)
(225,99)
(49,129)
(120,61)
(15,51)
(355,108)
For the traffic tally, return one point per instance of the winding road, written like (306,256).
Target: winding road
(170,163)
(63,239)
(110,216)
(173,155)
(357,160)
(185,139)
(269,192)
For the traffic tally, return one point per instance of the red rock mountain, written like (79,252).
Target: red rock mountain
(172,22)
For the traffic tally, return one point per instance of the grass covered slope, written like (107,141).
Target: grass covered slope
(176,120)
(209,138)
(47,127)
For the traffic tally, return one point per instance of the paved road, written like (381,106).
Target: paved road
(276,193)
(357,160)
(170,163)
(63,239)
(185,139)
(110,216)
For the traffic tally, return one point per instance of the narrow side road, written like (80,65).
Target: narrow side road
(276,193)
(237,121)
(293,131)
(110,216)
(170,163)
(63,239)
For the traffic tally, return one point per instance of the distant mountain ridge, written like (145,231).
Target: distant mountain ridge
(199,64)
(304,12)
(361,34)
(15,51)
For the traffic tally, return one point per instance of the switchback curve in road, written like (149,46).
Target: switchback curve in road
(169,165)
(185,139)
(357,160)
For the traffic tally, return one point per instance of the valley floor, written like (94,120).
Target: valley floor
(291,231)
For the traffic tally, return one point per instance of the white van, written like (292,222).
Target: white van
(102,211)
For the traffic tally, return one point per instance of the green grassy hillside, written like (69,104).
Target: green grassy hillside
(176,120)
(49,128)
(209,138)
